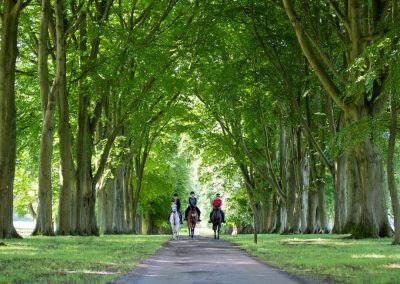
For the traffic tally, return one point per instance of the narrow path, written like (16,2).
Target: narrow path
(204,260)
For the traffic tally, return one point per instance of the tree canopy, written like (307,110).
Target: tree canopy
(288,108)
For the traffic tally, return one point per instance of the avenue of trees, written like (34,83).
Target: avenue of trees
(288,107)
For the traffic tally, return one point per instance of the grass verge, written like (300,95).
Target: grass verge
(327,258)
(74,259)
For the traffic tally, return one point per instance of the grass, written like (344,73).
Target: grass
(73,259)
(327,258)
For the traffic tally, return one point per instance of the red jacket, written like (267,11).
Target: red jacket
(217,202)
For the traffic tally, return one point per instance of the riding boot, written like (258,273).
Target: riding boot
(198,212)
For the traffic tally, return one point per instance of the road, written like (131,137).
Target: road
(204,260)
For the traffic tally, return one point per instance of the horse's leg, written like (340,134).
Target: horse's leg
(214,232)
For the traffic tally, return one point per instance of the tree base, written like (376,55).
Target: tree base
(11,235)
(363,231)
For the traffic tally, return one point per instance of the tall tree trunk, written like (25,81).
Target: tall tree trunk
(367,202)
(250,186)
(8,55)
(118,222)
(101,208)
(322,213)
(139,171)
(305,180)
(64,132)
(44,223)
(128,197)
(85,189)
(339,183)
(340,203)
(390,169)
(312,222)
(275,217)
(283,220)
(109,206)
(86,183)
(293,204)
(391,148)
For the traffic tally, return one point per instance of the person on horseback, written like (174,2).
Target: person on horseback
(176,200)
(192,202)
(217,203)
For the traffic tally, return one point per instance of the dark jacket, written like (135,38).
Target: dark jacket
(178,205)
(192,201)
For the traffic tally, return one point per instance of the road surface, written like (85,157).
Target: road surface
(204,260)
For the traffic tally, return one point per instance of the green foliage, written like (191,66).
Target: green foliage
(167,172)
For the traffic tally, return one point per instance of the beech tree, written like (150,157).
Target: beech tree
(291,104)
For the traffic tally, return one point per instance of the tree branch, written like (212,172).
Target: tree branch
(326,60)
(335,7)
(323,76)
(77,22)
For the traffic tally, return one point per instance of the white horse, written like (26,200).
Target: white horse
(175,221)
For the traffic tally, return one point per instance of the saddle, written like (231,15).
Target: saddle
(192,210)
(217,213)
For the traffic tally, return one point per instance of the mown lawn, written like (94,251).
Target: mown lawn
(327,258)
(73,259)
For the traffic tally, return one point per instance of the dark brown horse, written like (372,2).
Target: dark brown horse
(216,220)
(192,219)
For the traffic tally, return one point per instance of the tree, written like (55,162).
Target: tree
(367,213)
(10,10)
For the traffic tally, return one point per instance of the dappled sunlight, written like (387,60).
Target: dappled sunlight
(369,256)
(315,241)
(305,241)
(18,249)
(392,266)
(86,272)
(376,256)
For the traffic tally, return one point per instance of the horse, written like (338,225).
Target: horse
(192,219)
(175,221)
(216,220)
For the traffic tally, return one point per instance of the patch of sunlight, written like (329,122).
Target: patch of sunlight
(392,266)
(296,241)
(18,248)
(87,272)
(368,256)
(315,241)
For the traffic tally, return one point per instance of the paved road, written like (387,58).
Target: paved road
(204,260)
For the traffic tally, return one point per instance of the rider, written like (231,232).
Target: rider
(192,202)
(218,203)
(176,200)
